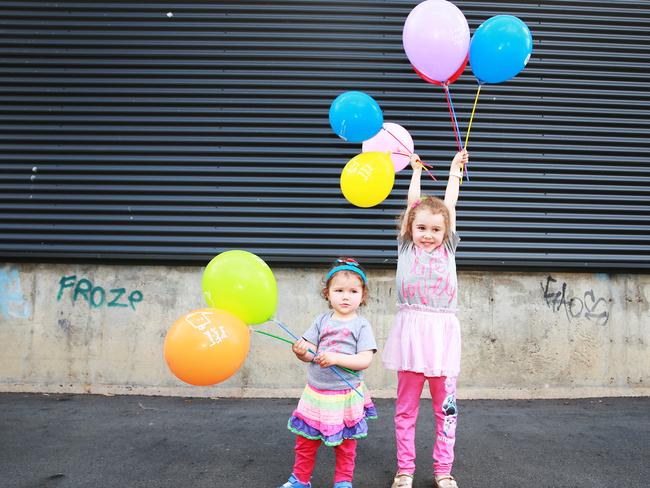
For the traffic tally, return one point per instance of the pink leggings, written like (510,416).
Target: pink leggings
(306,450)
(443,394)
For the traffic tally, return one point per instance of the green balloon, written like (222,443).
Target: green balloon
(241,283)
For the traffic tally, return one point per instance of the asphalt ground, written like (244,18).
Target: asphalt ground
(92,441)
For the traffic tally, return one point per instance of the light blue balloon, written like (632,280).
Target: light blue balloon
(355,116)
(500,49)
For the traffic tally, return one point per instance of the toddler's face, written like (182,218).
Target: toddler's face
(428,230)
(345,294)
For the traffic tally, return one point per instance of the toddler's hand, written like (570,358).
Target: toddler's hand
(326,359)
(300,347)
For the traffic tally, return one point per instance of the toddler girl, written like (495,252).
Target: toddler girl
(338,345)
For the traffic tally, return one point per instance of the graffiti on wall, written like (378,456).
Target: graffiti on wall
(12,301)
(587,305)
(97,296)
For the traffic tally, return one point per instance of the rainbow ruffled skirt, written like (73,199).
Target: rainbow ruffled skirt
(332,415)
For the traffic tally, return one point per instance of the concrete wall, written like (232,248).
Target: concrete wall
(100,329)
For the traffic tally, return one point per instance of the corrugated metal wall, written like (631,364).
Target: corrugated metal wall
(171,131)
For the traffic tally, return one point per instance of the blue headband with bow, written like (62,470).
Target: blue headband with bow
(347,265)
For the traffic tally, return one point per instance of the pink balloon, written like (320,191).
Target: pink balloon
(392,138)
(436,39)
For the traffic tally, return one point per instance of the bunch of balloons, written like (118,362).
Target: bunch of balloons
(367,179)
(437,43)
(209,345)
(436,39)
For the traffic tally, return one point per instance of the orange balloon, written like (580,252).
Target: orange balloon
(206,346)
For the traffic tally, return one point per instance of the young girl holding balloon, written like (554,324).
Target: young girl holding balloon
(424,342)
(335,404)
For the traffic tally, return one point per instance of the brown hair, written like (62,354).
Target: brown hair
(433,205)
(341,262)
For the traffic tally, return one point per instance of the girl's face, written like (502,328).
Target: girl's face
(345,294)
(428,230)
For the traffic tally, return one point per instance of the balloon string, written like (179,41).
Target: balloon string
(452,114)
(312,352)
(274,336)
(425,167)
(400,142)
(284,327)
(451,108)
(410,154)
(469,127)
(289,342)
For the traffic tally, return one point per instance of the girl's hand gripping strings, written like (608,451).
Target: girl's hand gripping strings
(305,351)
(327,359)
(415,161)
(418,165)
(458,164)
(358,361)
(302,349)
(304,355)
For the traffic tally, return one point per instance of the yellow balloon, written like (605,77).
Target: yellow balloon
(368,179)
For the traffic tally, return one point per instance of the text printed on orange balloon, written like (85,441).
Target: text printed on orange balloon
(201,321)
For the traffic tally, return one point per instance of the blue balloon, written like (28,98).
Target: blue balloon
(500,49)
(355,116)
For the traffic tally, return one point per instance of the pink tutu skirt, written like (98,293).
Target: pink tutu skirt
(424,340)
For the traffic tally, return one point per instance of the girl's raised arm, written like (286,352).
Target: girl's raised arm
(453,184)
(414,190)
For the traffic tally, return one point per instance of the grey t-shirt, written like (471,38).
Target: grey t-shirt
(428,278)
(347,337)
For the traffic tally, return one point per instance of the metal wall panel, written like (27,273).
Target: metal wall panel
(171,131)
